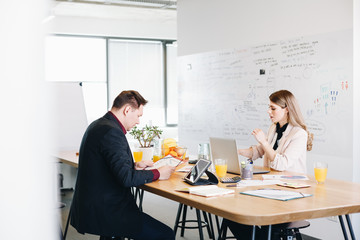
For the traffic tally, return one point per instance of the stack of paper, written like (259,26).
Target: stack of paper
(276,194)
(171,161)
(206,191)
(247,183)
(285,177)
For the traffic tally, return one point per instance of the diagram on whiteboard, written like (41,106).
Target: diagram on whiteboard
(225,93)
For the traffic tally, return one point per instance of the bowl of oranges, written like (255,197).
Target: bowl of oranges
(170,147)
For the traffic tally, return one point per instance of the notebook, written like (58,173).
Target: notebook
(225,148)
(206,191)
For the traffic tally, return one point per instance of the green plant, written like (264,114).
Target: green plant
(146,134)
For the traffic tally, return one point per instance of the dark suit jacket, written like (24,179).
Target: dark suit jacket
(103,203)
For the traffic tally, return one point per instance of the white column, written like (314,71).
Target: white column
(28,194)
(356,135)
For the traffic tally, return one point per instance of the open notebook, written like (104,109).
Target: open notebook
(276,194)
(206,191)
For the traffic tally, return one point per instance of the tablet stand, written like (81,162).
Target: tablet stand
(211,181)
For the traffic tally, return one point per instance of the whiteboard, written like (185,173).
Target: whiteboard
(69,120)
(225,93)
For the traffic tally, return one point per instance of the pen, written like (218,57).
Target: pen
(231,185)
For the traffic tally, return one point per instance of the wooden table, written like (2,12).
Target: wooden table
(69,157)
(334,198)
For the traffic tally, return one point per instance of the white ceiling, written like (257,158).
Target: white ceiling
(111,11)
(159,4)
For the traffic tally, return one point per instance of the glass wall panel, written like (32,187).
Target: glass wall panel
(138,65)
(171,85)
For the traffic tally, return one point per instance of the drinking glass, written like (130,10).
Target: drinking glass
(220,167)
(138,155)
(320,170)
(204,151)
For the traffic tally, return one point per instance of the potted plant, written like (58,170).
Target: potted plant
(145,136)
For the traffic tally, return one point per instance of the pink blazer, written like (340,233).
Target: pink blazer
(291,152)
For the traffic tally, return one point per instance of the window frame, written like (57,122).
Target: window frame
(163,42)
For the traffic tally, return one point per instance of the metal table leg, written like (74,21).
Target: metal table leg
(269,233)
(350,226)
(343,227)
(253,232)
(199,224)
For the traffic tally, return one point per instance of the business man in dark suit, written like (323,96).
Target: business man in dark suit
(103,204)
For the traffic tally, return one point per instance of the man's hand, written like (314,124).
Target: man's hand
(143,164)
(165,172)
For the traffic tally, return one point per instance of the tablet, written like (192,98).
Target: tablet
(197,171)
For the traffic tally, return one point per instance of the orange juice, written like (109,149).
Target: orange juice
(156,158)
(138,156)
(221,170)
(320,174)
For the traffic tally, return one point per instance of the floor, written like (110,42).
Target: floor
(161,208)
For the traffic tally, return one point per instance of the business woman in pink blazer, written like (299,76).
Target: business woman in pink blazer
(283,148)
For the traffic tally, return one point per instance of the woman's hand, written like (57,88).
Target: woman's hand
(259,136)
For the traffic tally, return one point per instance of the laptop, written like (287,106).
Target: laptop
(225,148)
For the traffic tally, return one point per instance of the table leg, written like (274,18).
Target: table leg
(183,221)
(343,227)
(269,233)
(199,224)
(211,225)
(217,223)
(253,232)
(350,226)
(178,217)
(141,196)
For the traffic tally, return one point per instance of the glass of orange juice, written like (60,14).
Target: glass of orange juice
(156,158)
(138,155)
(220,167)
(320,170)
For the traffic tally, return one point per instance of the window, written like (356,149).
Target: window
(107,66)
(171,85)
(79,59)
(138,65)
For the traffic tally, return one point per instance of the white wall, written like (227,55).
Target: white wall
(356,135)
(28,197)
(213,25)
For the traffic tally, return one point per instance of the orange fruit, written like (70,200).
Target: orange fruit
(165,150)
(180,151)
(170,142)
(173,153)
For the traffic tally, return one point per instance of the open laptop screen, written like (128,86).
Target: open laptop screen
(225,148)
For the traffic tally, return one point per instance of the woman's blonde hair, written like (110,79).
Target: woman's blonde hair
(285,98)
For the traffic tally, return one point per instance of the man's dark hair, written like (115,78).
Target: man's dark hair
(131,97)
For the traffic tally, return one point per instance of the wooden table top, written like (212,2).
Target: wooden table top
(333,198)
(70,157)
